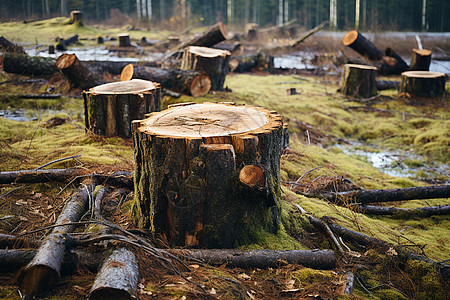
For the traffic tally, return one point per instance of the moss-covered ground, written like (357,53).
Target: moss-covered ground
(318,118)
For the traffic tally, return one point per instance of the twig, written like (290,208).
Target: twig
(301,177)
(9,192)
(57,160)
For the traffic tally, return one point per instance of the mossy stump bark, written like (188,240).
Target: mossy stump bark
(193,182)
(110,108)
(423,84)
(359,80)
(212,62)
(420,60)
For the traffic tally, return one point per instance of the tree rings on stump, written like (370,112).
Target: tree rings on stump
(188,161)
(110,108)
(359,80)
(423,84)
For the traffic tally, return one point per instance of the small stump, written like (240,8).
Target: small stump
(76,72)
(208,174)
(359,80)
(76,16)
(423,84)
(110,108)
(124,40)
(420,60)
(212,62)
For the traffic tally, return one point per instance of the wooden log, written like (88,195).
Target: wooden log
(251,63)
(359,80)
(11,241)
(393,63)
(76,72)
(110,108)
(117,179)
(76,16)
(420,60)
(214,35)
(212,62)
(191,83)
(31,176)
(251,31)
(51,49)
(111,67)
(7,46)
(23,64)
(387,85)
(118,277)
(183,194)
(405,213)
(124,40)
(72,40)
(43,272)
(230,46)
(316,259)
(363,46)
(423,84)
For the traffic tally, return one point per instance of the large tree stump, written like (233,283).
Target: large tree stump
(76,72)
(420,60)
(187,183)
(423,84)
(76,16)
(110,108)
(359,80)
(212,62)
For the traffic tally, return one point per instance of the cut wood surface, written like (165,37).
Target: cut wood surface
(76,72)
(316,259)
(359,80)
(405,212)
(43,272)
(191,83)
(24,64)
(423,84)
(212,62)
(182,195)
(32,176)
(110,108)
(363,46)
(253,176)
(118,278)
(76,16)
(420,60)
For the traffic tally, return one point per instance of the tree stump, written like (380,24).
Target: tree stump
(124,40)
(212,62)
(251,31)
(423,84)
(76,16)
(420,60)
(76,72)
(359,80)
(110,108)
(189,189)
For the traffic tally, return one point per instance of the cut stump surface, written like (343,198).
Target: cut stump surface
(423,84)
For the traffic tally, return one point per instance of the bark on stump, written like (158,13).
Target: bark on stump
(359,80)
(423,84)
(212,62)
(76,72)
(187,164)
(420,60)
(76,16)
(191,83)
(110,108)
(124,40)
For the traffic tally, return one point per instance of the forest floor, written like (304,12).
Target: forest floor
(323,126)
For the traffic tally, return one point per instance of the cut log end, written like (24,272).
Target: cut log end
(423,52)
(350,37)
(65,61)
(252,176)
(37,278)
(223,30)
(200,86)
(127,73)
(208,52)
(134,86)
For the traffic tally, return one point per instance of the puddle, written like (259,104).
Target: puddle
(398,164)
(23,115)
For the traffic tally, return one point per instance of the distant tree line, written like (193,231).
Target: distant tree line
(415,15)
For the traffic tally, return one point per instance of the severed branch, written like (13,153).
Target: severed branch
(405,212)
(309,33)
(33,176)
(57,160)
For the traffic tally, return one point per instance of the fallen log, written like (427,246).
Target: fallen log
(308,34)
(43,272)
(395,67)
(191,83)
(31,176)
(24,64)
(316,259)
(388,195)
(117,179)
(420,60)
(40,96)
(405,212)
(214,35)
(111,67)
(11,241)
(252,62)
(7,46)
(387,85)
(118,277)
(76,72)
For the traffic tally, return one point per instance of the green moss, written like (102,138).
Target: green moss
(428,280)
(307,276)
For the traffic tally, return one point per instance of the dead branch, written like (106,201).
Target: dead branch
(33,176)
(405,212)
(309,33)
(55,161)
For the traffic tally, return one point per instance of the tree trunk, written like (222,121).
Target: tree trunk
(31,176)
(7,46)
(423,84)
(76,16)
(76,72)
(393,63)
(359,80)
(28,65)
(110,108)
(118,277)
(212,62)
(182,195)
(187,82)
(214,35)
(316,259)
(405,213)
(43,271)
(387,85)
(360,44)
(251,63)
(420,60)
(124,40)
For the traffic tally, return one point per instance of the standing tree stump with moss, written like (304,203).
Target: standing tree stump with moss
(359,80)
(110,108)
(212,62)
(208,174)
(420,60)
(423,84)
(76,16)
